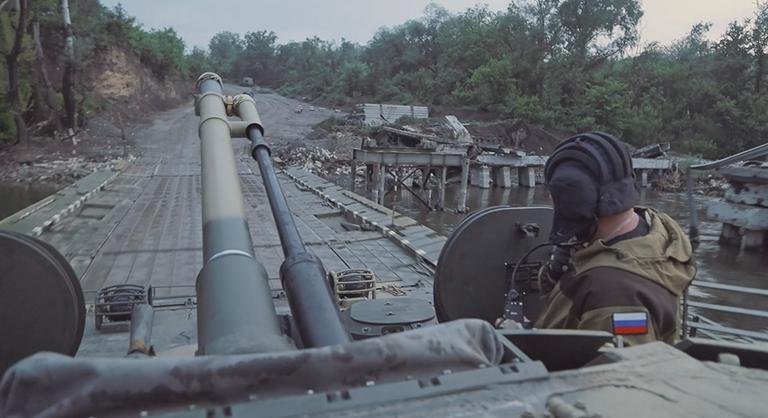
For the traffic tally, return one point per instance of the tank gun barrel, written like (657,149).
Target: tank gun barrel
(226,236)
(302,273)
(235,311)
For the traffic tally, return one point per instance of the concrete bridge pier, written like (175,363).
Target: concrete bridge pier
(353,175)
(462,204)
(754,240)
(730,236)
(370,178)
(643,178)
(526,176)
(441,187)
(374,183)
(381,175)
(481,176)
(748,239)
(502,177)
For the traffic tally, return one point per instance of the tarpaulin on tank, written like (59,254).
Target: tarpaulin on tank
(48,384)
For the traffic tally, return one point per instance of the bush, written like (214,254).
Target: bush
(161,50)
(523,107)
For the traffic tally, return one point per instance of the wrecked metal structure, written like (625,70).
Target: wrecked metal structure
(744,210)
(447,146)
(376,114)
(428,153)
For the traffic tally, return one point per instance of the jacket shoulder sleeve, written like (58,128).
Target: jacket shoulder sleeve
(601,319)
(603,291)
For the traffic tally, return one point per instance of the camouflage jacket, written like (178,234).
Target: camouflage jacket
(642,276)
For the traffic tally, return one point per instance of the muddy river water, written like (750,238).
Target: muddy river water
(16,196)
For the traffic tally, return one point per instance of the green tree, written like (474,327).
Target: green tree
(598,28)
(197,62)
(161,50)
(353,80)
(760,43)
(259,55)
(12,49)
(225,49)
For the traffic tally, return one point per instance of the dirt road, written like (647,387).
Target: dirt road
(103,144)
(282,125)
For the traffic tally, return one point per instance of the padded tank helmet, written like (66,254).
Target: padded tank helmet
(589,175)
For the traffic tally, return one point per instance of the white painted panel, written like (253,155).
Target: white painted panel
(374,112)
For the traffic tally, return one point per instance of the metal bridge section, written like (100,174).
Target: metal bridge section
(744,211)
(481,171)
(704,302)
(698,312)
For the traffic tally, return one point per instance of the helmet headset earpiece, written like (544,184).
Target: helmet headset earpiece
(608,161)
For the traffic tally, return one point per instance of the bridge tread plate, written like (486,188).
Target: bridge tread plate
(424,243)
(379,219)
(388,261)
(359,208)
(432,246)
(150,231)
(416,232)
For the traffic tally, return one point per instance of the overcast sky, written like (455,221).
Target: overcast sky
(357,20)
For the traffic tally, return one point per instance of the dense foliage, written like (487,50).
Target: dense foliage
(569,64)
(97,30)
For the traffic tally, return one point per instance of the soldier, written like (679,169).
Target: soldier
(615,267)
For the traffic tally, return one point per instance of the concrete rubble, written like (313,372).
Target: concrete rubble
(744,210)
(314,159)
(498,154)
(709,184)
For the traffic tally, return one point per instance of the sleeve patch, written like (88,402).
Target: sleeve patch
(630,323)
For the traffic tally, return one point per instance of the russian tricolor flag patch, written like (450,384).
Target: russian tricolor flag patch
(630,323)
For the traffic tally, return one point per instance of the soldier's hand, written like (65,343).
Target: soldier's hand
(558,261)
